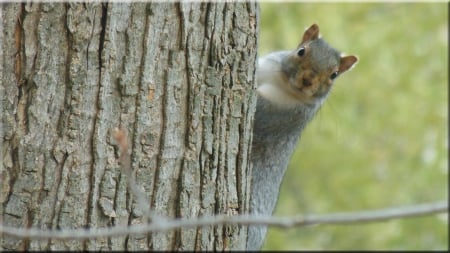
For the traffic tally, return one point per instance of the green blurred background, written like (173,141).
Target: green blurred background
(381,139)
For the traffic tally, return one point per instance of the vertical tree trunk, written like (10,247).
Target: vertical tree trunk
(177,77)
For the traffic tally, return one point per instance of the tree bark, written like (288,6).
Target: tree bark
(177,77)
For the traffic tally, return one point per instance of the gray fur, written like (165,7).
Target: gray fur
(281,117)
(276,132)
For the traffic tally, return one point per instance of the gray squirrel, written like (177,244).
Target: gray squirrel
(291,87)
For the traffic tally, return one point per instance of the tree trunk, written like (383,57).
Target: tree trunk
(177,77)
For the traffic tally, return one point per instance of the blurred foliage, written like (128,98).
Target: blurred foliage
(381,138)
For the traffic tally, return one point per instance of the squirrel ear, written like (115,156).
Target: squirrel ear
(347,62)
(311,33)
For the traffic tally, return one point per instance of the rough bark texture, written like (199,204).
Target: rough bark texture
(177,77)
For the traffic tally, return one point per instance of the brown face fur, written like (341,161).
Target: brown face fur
(309,75)
(311,68)
(315,69)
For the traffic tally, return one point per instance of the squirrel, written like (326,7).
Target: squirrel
(291,87)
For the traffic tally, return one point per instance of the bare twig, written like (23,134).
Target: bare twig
(161,224)
(121,137)
(285,222)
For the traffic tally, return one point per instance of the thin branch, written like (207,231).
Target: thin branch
(121,137)
(284,222)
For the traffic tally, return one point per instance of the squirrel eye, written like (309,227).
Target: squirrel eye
(301,51)
(334,75)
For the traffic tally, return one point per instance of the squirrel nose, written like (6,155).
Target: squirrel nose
(306,82)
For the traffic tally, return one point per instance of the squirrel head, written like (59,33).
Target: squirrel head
(311,69)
